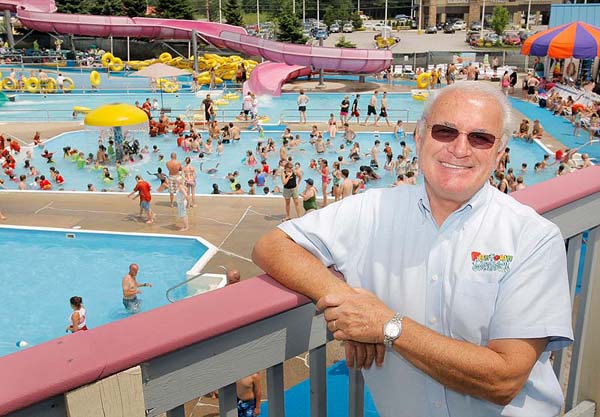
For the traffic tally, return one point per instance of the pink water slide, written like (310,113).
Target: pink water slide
(39,15)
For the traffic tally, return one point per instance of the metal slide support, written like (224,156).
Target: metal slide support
(24,37)
(8,26)
(128,55)
(195,49)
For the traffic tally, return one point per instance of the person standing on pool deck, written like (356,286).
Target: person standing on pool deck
(344,109)
(469,312)
(355,111)
(372,108)
(183,200)
(302,102)
(143,188)
(174,167)
(77,319)
(208,106)
(383,110)
(131,289)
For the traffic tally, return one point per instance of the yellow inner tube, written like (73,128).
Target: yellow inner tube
(231,96)
(423,80)
(95,78)
(68,84)
(9,84)
(50,85)
(168,86)
(81,109)
(221,102)
(32,85)
(165,57)
(264,119)
(117,65)
(107,59)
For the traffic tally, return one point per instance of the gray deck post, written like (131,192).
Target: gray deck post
(275,390)
(318,381)
(356,394)
(177,412)
(228,401)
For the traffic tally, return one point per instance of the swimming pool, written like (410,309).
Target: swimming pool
(43,268)
(87,141)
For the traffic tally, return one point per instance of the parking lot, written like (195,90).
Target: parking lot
(410,40)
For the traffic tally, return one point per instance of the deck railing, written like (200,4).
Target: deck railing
(224,337)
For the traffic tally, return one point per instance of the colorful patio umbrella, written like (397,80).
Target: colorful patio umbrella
(572,40)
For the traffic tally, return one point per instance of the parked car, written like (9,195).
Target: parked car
(348,28)
(382,26)
(334,28)
(460,25)
(475,26)
(524,34)
(369,26)
(430,29)
(471,33)
(439,26)
(491,37)
(511,38)
(401,17)
(321,34)
(474,39)
(448,28)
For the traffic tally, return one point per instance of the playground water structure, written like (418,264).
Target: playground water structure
(72,262)
(39,15)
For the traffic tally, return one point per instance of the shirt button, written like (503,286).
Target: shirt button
(433,320)
(434,277)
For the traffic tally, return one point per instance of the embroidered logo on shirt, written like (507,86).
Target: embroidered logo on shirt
(491,262)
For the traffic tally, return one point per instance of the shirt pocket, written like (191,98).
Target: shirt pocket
(472,308)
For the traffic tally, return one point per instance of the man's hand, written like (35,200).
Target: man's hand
(257,410)
(361,355)
(358,317)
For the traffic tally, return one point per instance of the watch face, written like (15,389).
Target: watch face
(392,330)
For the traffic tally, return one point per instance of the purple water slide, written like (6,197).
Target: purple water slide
(39,15)
(269,77)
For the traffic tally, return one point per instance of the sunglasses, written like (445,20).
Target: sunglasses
(447,134)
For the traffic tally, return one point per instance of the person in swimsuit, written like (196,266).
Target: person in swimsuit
(309,196)
(183,201)
(324,171)
(77,319)
(189,174)
(344,108)
(174,166)
(383,111)
(355,111)
(372,108)
(130,288)
(332,126)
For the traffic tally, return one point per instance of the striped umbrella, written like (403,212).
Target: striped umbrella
(572,40)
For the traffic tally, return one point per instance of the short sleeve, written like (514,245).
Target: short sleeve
(324,232)
(533,299)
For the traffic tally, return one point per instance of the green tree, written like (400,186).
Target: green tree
(344,43)
(72,6)
(106,7)
(175,9)
(500,19)
(290,29)
(356,20)
(330,16)
(133,8)
(233,12)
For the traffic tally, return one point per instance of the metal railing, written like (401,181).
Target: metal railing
(186,283)
(180,362)
(322,115)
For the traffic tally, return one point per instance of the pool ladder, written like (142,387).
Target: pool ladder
(187,281)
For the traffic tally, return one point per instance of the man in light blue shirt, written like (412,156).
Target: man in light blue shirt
(464,287)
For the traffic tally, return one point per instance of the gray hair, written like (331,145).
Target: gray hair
(485,89)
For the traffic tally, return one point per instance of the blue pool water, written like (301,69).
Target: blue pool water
(559,127)
(42,269)
(297,398)
(231,160)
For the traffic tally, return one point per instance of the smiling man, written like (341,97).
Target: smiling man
(462,289)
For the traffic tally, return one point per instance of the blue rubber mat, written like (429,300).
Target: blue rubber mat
(297,398)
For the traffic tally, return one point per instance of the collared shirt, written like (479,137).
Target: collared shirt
(494,269)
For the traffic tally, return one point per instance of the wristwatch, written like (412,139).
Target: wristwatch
(392,330)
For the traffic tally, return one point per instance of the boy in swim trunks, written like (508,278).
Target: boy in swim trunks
(249,395)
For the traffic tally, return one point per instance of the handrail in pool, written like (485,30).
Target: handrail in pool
(68,362)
